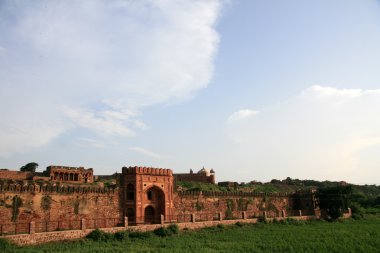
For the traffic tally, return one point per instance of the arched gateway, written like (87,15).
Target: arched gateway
(154,199)
(148,194)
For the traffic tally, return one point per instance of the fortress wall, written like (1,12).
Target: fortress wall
(233,203)
(15,175)
(44,204)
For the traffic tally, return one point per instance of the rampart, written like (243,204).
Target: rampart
(15,175)
(41,203)
(231,204)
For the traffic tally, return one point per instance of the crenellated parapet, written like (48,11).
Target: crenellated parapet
(232,194)
(18,188)
(147,171)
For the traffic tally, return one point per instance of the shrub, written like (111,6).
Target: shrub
(167,231)
(139,235)
(162,232)
(334,200)
(240,224)
(121,235)
(221,226)
(99,235)
(174,228)
(262,219)
(4,244)
(292,221)
(357,211)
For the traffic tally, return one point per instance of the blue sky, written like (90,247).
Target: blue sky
(253,89)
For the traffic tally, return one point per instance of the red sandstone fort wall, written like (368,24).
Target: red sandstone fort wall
(57,203)
(15,175)
(234,203)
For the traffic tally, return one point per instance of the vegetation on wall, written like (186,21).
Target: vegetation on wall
(76,206)
(242,204)
(335,200)
(199,205)
(46,203)
(16,204)
(230,208)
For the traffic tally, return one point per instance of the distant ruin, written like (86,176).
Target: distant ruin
(202,176)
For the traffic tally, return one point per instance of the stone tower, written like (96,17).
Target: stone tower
(147,193)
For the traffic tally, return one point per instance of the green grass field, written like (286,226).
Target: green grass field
(317,236)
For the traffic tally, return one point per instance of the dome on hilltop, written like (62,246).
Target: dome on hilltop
(204,172)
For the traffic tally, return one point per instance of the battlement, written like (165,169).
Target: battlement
(65,167)
(147,171)
(15,175)
(4,187)
(233,194)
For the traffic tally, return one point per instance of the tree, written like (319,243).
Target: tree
(29,167)
(334,200)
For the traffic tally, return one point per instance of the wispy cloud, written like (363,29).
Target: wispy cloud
(104,62)
(145,152)
(98,123)
(242,114)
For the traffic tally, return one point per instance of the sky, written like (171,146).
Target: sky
(256,90)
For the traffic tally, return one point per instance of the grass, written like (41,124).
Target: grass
(317,236)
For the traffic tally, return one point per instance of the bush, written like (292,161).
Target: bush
(99,235)
(167,231)
(121,235)
(4,244)
(140,235)
(174,228)
(221,226)
(262,219)
(334,200)
(357,211)
(162,232)
(292,221)
(240,224)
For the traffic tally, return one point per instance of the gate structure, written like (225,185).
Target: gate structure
(147,194)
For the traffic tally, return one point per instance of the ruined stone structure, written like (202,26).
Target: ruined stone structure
(145,195)
(15,175)
(202,176)
(70,174)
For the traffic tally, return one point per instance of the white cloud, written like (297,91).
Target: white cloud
(242,114)
(103,61)
(323,91)
(323,133)
(101,124)
(145,152)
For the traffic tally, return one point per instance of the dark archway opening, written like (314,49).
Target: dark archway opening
(149,215)
(131,215)
(154,199)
